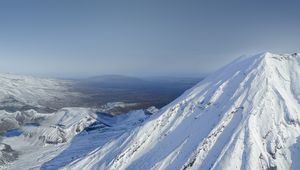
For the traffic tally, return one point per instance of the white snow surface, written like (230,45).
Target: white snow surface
(17,91)
(244,116)
(53,140)
(42,136)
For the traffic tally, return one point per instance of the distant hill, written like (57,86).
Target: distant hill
(19,92)
(148,91)
(114,81)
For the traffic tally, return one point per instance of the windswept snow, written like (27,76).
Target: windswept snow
(244,116)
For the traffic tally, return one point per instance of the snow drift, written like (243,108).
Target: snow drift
(244,116)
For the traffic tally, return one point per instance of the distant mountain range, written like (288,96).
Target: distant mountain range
(149,91)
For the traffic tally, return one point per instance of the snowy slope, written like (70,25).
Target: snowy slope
(244,116)
(18,92)
(106,129)
(33,140)
(35,133)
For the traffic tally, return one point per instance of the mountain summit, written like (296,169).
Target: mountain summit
(244,116)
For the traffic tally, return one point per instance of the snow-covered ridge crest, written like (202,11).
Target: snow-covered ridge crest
(244,116)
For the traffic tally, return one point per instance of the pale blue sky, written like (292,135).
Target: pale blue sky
(77,38)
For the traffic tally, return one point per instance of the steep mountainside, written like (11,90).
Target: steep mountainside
(244,116)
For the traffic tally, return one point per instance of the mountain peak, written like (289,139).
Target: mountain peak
(244,116)
(277,56)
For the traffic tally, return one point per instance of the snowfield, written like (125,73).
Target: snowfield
(53,140)
(40,137)
(19,92)
(244,116)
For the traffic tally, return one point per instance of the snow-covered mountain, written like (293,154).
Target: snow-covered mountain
(18,92)
(244,116)
(37,124)
(53,140)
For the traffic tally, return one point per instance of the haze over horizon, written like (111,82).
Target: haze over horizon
(139,38)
